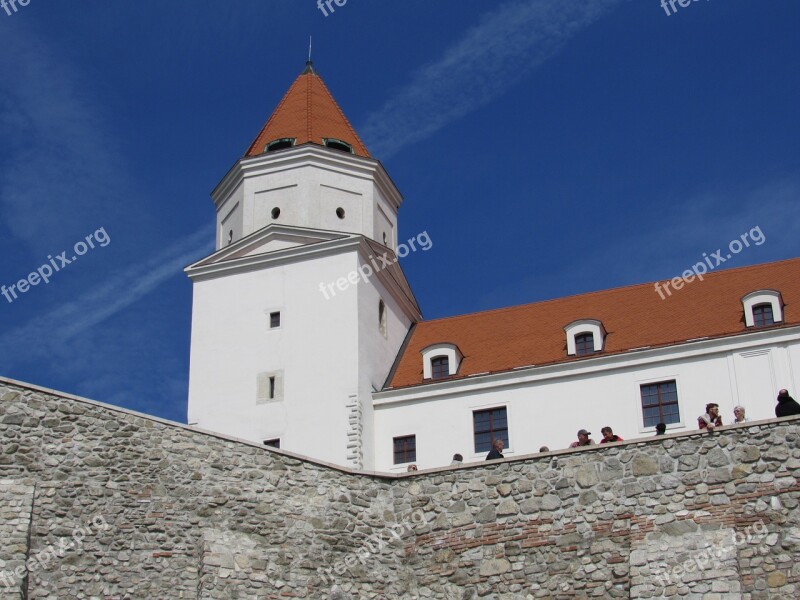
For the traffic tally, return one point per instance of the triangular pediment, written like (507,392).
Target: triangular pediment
(273,238)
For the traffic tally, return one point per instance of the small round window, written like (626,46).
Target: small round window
(340,212)
(276,212)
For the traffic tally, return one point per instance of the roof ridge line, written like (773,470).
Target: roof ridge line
(344,116)
(309,116)
(271,117)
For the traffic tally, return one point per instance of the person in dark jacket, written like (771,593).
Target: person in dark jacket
(496,451)
(787,406)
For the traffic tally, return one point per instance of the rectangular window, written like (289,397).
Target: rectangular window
(274,319)
(491,424)
(440,367)
(584,344)
(660,403)
(272,388)
(405,449)
(762,315)
(274,443)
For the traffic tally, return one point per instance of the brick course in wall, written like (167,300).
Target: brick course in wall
(118,505)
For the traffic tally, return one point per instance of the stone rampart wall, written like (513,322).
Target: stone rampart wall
(101,503)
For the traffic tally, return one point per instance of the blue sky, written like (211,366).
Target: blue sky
(548,147)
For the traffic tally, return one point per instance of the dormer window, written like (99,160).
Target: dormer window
(762,308)
(440,361)
(585,337)
(338,145)
(280,144)
(762,315)
(440,367)
(584,344)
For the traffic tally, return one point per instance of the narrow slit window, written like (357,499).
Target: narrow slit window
(382,317)
(273,443)
(272,388)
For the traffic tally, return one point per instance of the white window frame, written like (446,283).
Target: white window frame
(471,441)
(582,326)
(753,299)
(650,381)
(402,467)
(452,353)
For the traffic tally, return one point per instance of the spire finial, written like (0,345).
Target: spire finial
(309,65)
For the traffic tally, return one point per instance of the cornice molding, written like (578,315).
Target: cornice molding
(302,156)
(586,366)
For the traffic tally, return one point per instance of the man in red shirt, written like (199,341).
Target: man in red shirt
(609,436)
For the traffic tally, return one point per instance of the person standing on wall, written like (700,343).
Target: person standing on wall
(496,451)
(583,439)
(609,436)
(787,406)
(711,419)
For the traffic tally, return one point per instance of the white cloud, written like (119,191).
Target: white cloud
(97,304)
(509,42)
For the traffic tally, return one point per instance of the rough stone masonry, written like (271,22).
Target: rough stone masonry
(187,514)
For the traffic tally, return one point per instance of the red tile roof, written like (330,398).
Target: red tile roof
(633,317)
(308,113)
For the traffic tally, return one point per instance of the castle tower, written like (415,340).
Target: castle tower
(300,312)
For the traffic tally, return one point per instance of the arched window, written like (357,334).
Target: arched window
(338,145)
(279,144)
(585,337)
(440,361)
(762,308)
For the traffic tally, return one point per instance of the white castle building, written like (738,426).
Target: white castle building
(306,334)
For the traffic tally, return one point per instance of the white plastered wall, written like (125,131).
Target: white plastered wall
(549,411)
(316,349)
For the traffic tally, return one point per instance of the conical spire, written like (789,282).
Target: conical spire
(308,113)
